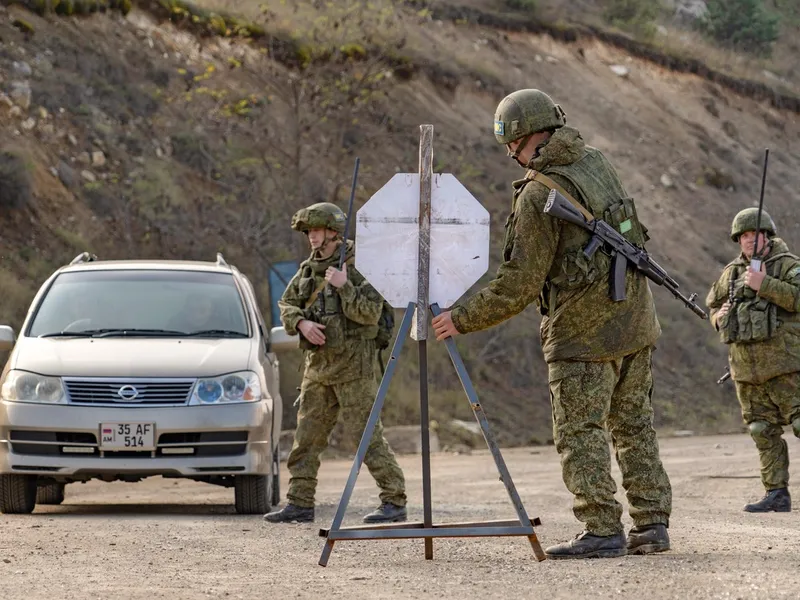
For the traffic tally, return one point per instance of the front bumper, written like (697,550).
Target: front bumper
(62,441)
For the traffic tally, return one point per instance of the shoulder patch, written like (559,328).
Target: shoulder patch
(794,272)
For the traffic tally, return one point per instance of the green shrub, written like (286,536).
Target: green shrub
(742,25)
(637,16)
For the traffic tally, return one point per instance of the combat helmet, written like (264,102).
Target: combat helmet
(746,220)
(525,112)
(321,214)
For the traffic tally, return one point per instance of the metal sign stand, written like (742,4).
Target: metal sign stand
(416,317)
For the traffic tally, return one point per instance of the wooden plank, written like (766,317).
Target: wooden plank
(419,330)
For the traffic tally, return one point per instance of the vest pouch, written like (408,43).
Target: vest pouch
(622,216)
(334,330)
(757,321)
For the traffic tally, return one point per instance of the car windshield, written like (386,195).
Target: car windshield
(101,303)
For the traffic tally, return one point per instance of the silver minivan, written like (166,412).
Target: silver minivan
(130,369)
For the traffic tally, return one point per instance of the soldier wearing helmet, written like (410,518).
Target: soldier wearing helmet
(756,315)
(336,313)
(598,351)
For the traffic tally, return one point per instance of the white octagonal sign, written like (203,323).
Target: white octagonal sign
(387,240)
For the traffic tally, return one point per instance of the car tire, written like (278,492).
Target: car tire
(52,493)
(275,496)
(251,494)
(17,494)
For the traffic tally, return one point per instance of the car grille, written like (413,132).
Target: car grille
(129,392)
(170,445)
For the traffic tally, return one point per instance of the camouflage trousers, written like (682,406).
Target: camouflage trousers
(320,406)
(589,401)
(766,408)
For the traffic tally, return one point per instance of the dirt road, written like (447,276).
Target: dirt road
(176,539)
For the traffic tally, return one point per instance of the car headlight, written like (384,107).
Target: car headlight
(21,386)
(225,389)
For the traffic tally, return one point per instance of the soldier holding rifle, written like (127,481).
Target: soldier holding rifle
(338,315)
(754,306)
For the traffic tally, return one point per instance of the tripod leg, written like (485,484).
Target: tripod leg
(372,421)
(480,416)
(426,445)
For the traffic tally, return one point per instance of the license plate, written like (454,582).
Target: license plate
(127,436)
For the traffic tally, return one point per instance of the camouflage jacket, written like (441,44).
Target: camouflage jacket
(544,263)
(762,329)
(350,315)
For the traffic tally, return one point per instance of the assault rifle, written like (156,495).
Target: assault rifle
(621,250)
(315,303)
(755,260)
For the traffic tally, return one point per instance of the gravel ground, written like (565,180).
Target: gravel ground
(179,539)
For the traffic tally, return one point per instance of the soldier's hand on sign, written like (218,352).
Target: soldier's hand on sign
(336,277)
(312,331)
(443,326)
(754,279)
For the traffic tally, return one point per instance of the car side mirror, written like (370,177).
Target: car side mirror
(280,341)
(7,337)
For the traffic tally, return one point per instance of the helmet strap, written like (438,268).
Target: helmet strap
(514,155)
(521,146)
(329,240)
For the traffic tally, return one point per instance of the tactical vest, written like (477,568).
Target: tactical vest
(322,304)
(601,193)
(750,318)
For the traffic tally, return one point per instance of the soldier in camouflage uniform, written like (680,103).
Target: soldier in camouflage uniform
(598,351)
(756,314)
(336,313)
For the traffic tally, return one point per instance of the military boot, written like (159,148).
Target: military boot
(773,501)
(387,513)
(291,514)
(648,539)
(588,545)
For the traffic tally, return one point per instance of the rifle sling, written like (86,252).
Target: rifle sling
(550,184)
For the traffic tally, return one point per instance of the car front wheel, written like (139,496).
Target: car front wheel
(17,494)
(252,494)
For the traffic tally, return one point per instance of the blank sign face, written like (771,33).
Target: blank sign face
(387,240)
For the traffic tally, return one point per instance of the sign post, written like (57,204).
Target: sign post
(438,234)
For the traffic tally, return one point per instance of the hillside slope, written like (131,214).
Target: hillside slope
(143,139)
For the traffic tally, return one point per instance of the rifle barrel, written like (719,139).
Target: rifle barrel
(756,249)
(343,249)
